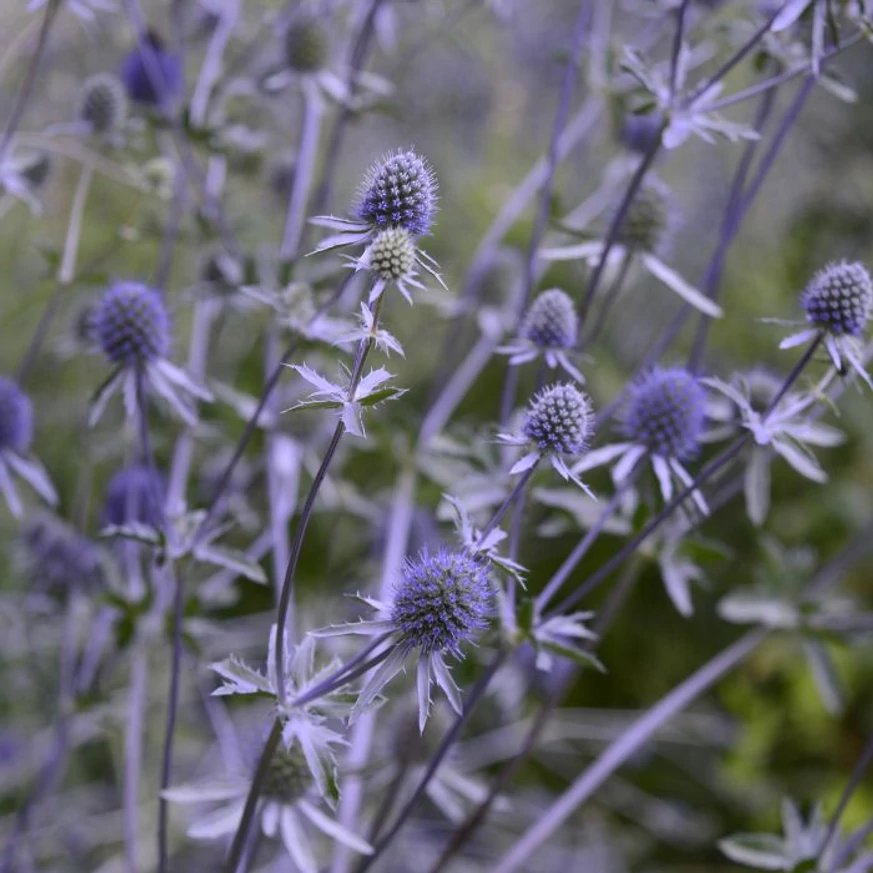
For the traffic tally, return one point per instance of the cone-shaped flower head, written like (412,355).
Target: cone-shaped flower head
(134,495)
(103,103)
(392,254)
(839,299)
(551,321)
(559,420)
(150,73)
(59,557)
(400,191)
(648,219)
(131,324)
(16,417)
(665,412)
(442,600)
(288,776)
(307,46)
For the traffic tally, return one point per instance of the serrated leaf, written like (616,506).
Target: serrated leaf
(584,659)
(380,395)
(242,679)
(232,559)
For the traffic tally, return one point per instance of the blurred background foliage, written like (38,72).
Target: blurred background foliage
(477,97)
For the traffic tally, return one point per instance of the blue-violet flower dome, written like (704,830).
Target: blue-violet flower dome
(559,420)
(150,72)
(839,299)
(134,495)
(551,321)
(665,412)
(131,323)
(400,191)
(442,600)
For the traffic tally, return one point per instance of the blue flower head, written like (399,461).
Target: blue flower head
(134,495)
(59,557)
(307,45)
(131,324)
(665,412)
(103,104)
(558,420)
(839,299)
(288,776)
(400,191)
(640,130)
(16,417)
(649,218)
(442,600)
(551,321)
(147,61)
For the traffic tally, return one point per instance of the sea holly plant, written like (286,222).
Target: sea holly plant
(370,391)
(441,601)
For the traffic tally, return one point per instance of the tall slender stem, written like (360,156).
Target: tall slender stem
(626,745)
(136,697)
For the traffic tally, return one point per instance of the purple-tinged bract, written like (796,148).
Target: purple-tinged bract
(443,599)
(400,191)
(839,299)
(150,73)
(558,420)
(16,417)
(665,412)
(134,495)
(131,324)
(551,321)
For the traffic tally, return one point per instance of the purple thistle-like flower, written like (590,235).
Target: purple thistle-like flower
(16,417)
(103,103)
(558,420)
(442,600)
(149,61)
(640,130)
(307,45)
(134,495)
(839,299)
(551,321)
(288,776)
(131,324)
(400,191)
(665,412)
(59,557)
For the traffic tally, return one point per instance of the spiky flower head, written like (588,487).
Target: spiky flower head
(150,73)
(559,420)
(400,191)
(392,254)
(59,558)
(839,299)
(648,218)
(103,103)
(443,599)
(288,776)
(307,46)
(665,412)
(131,323)
(551,321)
(134,495)
(16,417)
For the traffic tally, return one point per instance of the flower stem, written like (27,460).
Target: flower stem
(136,697)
